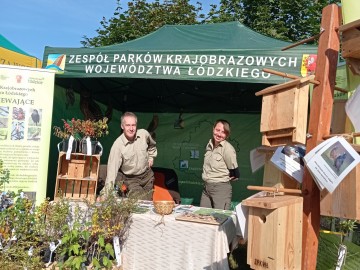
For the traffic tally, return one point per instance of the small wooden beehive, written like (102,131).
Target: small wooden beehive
(350,38)
(344,202)
(284,112)
(274,232)
(76,168)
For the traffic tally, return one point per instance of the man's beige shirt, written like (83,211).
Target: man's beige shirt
(218,161)
(131,157)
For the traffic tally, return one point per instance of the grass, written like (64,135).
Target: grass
(327,253)
(326,260)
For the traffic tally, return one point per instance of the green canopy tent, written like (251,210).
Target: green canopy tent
(180,66)
(204,72)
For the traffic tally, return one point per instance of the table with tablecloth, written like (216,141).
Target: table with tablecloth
(156,242)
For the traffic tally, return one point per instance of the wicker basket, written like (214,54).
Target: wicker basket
(164,207)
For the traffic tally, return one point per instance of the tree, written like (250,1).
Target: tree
(287,20)
(142,18)
(282,19)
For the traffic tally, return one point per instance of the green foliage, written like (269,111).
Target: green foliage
(141,18)
(281,19)
(73,248)
(328,253)
(50,218)
(346,226)
(83,232)
(18,236)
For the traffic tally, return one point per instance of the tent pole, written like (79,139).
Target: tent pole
(319,126)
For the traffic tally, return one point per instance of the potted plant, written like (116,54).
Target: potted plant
(62,234)
(91,130)
(70,134)
(81,135)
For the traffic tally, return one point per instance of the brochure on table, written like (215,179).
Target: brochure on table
(331,161)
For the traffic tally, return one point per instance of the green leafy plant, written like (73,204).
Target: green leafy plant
(77,235)
(345,227)
(51,217)
(21,245)
(87,240)
(73,249)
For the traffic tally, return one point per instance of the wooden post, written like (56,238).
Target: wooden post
(319,126)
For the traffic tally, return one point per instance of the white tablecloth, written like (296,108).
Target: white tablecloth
(154,243)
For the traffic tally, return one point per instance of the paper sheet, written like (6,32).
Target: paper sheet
(352,108)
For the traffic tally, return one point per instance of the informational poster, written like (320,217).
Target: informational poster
(26,96)
(289,159)
(330,161)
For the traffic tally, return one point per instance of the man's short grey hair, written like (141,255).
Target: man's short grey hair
(128,114)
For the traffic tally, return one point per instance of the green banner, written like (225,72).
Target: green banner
(226,52)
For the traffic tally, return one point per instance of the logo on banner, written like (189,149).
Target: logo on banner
(56,62)
(18,78)
(308,64)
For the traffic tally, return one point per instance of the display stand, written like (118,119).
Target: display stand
(77,178)
(344,202)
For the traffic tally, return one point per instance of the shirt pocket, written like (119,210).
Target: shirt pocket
(216,160)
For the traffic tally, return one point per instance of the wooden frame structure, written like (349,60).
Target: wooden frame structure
(319,127)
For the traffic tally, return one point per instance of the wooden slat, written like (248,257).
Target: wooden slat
(291,76)
(348,26)
(284,86)
(302,41)
(350,41)
(274,189)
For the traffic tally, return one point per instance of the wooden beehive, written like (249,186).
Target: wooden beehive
(284,112)
(344,202)
(350,38)
(274,232)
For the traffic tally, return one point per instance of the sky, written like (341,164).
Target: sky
(33,24)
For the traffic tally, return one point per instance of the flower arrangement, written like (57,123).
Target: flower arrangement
(79,129)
